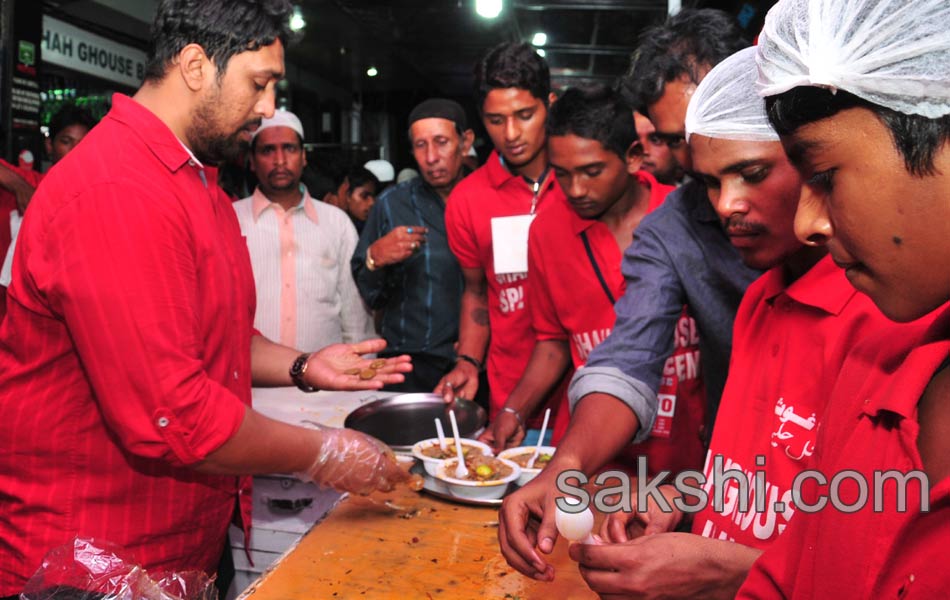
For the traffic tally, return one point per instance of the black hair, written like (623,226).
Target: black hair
(357,176)
(689,43)
(594,113)
(512,65)
(222,27)
(69,115)
(917,138)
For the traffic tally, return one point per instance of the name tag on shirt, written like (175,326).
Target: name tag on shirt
(663,426)
(509,240)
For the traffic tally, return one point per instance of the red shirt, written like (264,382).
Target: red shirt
(870,425)
(568,302)
(489,192)
(8,206)
(125,356)
(788,346)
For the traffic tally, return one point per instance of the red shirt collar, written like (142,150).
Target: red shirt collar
(824,286)
(658,193)
(904,362)
(499,175)
(166,147)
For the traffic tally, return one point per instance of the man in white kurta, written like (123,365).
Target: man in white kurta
(300,248)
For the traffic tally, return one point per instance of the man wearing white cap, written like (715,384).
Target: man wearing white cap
(384,172)
(300,248)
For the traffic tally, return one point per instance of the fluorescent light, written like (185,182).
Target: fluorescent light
(540,39)
(488,9)
(296,21)
(541,52)
(372,72)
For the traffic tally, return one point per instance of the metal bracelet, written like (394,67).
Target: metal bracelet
(516,414)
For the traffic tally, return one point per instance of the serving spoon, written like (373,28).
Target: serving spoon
(461,472)
(537,449)
(438,430)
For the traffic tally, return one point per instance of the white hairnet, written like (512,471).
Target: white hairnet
(726,105)
(894,53)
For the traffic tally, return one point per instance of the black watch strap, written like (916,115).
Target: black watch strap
(297,370)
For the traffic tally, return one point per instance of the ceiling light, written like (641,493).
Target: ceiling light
(541,52)
(540,39)
(372,72)
(488,9)
(296,21)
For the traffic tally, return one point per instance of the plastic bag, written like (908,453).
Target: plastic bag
(87,569)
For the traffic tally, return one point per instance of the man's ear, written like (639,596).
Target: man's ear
(343,192)
(468,138)
(552,98)
(634,157)
(195,68)
(48,144)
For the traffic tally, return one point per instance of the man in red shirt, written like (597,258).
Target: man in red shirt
(870,138)
(128,354)
(66,129)
(574,255)
(487,218)
(793,330)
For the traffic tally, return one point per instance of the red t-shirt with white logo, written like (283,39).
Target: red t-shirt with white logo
(490,192)
(788,347)
(569,302)
(884,546)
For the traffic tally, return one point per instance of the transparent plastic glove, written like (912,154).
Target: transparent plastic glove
(351,461)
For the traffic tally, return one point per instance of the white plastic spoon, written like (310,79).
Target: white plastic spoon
(461,472)
(537,449)
(438,429)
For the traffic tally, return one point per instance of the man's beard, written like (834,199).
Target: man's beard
(207,141)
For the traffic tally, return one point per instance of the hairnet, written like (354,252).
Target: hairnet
(725,105)
(893,53)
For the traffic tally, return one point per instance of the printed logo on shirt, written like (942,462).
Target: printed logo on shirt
(795,433)
(586,341)
(511,298)
(764,522)
(683,364)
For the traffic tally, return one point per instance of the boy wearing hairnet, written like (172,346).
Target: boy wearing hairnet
(860,94)
(792,331)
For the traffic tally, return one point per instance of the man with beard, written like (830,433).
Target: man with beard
(402,265)
(300,248)
(128,353)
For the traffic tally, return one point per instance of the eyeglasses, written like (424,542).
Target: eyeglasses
(670,140)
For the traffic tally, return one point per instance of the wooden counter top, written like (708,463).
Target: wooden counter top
(408,545)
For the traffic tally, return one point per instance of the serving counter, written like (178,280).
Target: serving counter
(401,545)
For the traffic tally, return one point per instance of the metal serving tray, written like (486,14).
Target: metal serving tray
(404,419)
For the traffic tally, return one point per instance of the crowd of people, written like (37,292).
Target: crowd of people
(730,261)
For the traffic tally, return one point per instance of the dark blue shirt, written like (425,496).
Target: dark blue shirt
(420,298)
(679,255)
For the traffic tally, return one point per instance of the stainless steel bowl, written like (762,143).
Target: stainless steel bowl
(404,419)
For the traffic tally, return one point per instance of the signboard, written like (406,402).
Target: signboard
(68,46)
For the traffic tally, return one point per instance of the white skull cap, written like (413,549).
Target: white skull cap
(282,118)
(893,53)
(382,169)
(726,106)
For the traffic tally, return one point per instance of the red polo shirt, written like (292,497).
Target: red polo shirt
(870,425)
(787,350)
(489,192)
(7,207)
(125,355)
(568,302)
